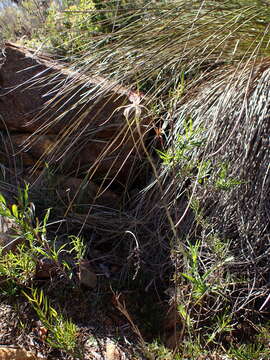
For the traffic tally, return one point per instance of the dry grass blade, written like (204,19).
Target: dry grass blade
(121,306)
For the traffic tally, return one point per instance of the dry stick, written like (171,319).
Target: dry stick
(265,303)
(121,306)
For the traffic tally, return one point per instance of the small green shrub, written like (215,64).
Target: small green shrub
(67,31)
(224,181)
(18,269)
(157,351)
(250,352)
(180,154)
(203,281)
(62,334)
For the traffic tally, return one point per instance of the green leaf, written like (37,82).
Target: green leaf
(189,277)
(15,211)
(53,312)
(2,200)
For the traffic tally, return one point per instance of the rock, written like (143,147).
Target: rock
(30,156)
(79,134)
(86,275)
(69,188)
(11,353)
(78,160)
(86,193)
(26,88)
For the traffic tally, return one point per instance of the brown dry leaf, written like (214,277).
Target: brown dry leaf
(8,353)
(42,333)
(112,352)
(45,269)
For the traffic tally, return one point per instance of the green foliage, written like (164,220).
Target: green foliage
(69,30)
(18,269)
(186,318)
(19,266)
(200,284)
(250,352)
(22,214)
(257,350)
(62,334)
(79,247)
(219,248)
(193,349)
(72,29)
(158,351)
(181,156)
(224,181)
(19,21)
(205,282)
(180,153)
(222,324)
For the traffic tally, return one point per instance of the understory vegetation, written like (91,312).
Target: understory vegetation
(182,262)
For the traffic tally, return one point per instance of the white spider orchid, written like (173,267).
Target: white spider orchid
(134,107)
